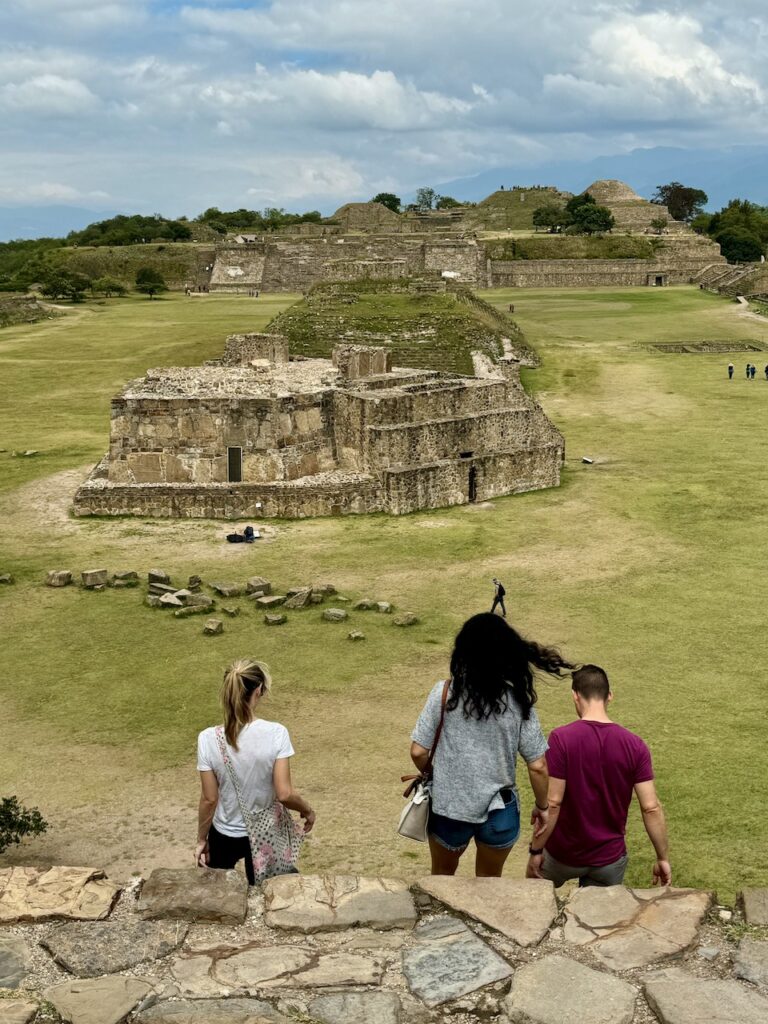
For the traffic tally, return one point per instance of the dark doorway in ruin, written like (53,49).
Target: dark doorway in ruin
(235,465)
(472,484)
(659,281)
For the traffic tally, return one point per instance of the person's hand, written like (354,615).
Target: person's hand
(201,854)
(662,873)
(533,868)
(309,820)
(539,819)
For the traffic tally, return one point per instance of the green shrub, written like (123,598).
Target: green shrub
(18,821)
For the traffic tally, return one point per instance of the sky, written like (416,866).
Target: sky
(164,106)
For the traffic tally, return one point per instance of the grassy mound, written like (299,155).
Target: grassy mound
(433,331)
(23,309)
(512,208)
(178,262)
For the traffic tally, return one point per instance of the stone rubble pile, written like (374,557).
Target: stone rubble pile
(194,946)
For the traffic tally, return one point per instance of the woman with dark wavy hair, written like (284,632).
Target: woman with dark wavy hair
(489,718)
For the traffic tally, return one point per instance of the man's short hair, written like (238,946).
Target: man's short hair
(591,683)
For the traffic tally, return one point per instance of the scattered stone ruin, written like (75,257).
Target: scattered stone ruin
(194,946)
(260,433)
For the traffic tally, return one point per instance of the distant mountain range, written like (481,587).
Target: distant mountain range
(724,174)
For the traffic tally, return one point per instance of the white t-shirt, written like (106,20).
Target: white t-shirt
(259,744)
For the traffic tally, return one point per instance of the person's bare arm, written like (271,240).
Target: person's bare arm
(539,841)
(209,798)
(287,795)
(419,756)
(656,827)
(539,779)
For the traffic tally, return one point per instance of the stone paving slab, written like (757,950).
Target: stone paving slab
(212,1011)
(195,894)
(555,990)
(754,903)
(677,997)
(629,928)
(14,960)
(36,894)
(106,947)
(98,1000)
(751,961)
(521,909)
(356,1008)
(310,903)
(17,1011)
(448,961)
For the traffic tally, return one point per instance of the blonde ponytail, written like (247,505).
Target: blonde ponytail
(241,680)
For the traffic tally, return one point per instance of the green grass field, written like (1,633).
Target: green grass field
(648,562)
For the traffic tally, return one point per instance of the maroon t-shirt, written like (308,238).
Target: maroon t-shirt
(601,762)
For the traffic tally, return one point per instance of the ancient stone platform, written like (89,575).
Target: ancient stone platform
(193,946)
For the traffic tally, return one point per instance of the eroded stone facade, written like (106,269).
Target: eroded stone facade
(261,434)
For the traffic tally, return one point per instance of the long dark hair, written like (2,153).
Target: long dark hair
(491,662)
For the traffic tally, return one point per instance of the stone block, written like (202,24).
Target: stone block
(522,909)
(152,601)
(364,605)
(355,635)
(384,607)
(449,961)
(228,589)
(276,619)
(310,903)
(17,1011)
(213,627)
(258,585)
(677,997)
(754,904)
(92,578)
(356,1008)
(200,601)
(90,950)
(269,601)
(327,589)
(128,575)
(6,578)
(299,599)
(231,610)
(194,583)
(212,1011)
(35,894)
(194,894)
(189,610)
(58,578)
(405,619)
(184,595)
(317,598)
(170,601)
(630,928)
(554,990)
(158,589)
(335,615)
(14,961)
(158,576)
(98,1001)
(751,961)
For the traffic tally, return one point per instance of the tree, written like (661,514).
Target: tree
(108,286)
(683,202)
(739,245)
(593,219)
(549,215)
(388,199)
(447,203)
(575,203)
(425,199)
(659,225)
(150,282)
(60,283)
(17,821)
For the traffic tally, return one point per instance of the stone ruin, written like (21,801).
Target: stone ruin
(258,433)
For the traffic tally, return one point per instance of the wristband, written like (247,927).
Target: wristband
(542,808)
(534,853)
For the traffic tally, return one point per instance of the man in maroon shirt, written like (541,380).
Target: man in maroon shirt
(594,767)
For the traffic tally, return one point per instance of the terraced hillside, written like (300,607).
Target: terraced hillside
(512,208)
(180,263)
(431,330)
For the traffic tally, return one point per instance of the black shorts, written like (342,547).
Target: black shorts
(226,851)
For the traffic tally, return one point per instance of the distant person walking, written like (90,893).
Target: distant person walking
(766,371)
(749,370)
(594,766)
(498,597)
(730,371)
(753,371)
(487,712)
(246,783)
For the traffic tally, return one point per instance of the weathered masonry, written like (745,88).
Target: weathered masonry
(261,433)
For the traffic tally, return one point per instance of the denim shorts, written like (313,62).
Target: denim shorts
(500,831)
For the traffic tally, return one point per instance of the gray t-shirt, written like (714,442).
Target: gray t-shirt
(474,760)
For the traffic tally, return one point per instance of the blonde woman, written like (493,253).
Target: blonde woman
(246,783)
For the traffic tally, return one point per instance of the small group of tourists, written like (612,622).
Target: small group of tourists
(465,746)
(750,370)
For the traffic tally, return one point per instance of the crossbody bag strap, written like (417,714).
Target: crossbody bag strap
(438,732)
(230,770)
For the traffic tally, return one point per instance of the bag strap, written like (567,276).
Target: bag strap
(222,741)
(414,780)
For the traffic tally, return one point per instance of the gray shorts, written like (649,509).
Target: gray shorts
(605,874)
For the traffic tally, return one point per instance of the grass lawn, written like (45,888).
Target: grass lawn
(648,562)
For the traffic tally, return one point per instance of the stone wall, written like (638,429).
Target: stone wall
(238,268)
(242,349)
(356,361)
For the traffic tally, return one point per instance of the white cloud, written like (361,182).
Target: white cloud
(304,174)
(48,95)
(49,192)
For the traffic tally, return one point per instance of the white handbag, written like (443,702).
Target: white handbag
(415,817)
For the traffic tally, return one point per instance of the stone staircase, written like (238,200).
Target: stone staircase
(194,946)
